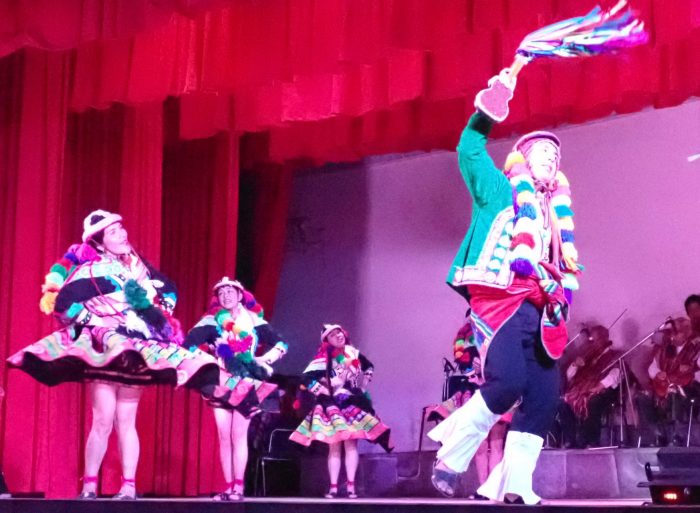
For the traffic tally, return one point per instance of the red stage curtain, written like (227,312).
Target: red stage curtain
(65,24)
(265,196)
(32,135)
(180,204)
(351,69)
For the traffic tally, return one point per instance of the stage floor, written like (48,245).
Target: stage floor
(297,505)
(606,473)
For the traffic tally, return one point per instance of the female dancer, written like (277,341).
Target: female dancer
(338,376)
(119,335)
(235,331)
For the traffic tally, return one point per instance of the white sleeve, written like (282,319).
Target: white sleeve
(654,368)
(612,379)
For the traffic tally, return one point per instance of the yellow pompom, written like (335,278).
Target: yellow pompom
(513,158)
(48,302)
(459,354)
(561,178)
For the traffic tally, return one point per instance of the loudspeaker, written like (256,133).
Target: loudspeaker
(680,458)
(677,479)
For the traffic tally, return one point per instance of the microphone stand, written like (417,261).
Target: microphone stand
(448,370)
(623,374)
(624,385)
(586,329)
(634,347)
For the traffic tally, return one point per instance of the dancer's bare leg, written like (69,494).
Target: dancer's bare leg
(129,447)
(104,406)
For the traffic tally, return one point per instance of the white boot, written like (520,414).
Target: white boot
(513,475)
(462,432)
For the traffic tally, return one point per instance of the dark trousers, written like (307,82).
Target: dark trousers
(589,427)
(597,407)
(517,367)
(663,422)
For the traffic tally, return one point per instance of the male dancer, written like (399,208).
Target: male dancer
(516,267)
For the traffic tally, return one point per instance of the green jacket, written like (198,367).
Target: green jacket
(482,257)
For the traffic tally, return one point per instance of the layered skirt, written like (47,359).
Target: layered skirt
(343,417)
(106,355)
(243,387)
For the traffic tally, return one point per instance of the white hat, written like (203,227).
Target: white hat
(226,281)
(327,328)
(96,221)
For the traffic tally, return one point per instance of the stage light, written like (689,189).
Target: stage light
(676,480)
(670,496)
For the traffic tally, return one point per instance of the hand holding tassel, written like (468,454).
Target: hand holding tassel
(493,101)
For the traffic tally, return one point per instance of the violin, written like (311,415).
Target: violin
(593,364)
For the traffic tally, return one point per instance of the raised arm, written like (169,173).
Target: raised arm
(481,175)
(479,172)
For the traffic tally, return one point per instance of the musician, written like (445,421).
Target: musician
(675,366)
(675,370)
(592,380)
(692,309)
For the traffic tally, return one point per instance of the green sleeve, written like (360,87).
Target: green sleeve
(480,174)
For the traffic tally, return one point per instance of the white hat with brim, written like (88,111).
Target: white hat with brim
(228,282)
(97,221)
(327,328)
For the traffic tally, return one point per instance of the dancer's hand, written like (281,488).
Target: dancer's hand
(506,78)
(570,264)
(260,361)
(493,101)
